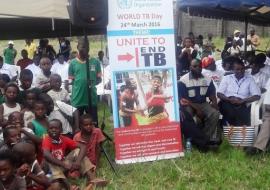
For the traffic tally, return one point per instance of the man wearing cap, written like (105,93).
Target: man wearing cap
(210,70)
(10,53)
(237,38)
(255,39)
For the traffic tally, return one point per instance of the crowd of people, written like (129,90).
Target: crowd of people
(48,125)
(220,93)
(49,122)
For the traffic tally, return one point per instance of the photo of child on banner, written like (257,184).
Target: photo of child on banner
(145,98)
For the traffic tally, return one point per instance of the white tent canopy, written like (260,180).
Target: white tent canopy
(20,19)
(35,8)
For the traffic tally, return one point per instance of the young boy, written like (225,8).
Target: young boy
(156,100)
(129,104)
(11,136)
(78,74)
(30,169)
(187,54)
(34,68)
(4,80)
(43,79)
(60,67)
(16,119)
(91,137)
(56,92)
(26,80)
(9,180)
(10,105)
(62,111)
(55,146)
(40,124)
(28,107)
(25,61)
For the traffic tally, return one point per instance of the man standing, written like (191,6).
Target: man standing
(193,89)
(78,74)
(236,91)
(64,48)
(10,53)
(30,47)
(255,39)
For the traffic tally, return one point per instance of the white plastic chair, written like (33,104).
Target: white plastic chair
(255,119)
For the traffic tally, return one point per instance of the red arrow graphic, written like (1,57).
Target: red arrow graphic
(127,57)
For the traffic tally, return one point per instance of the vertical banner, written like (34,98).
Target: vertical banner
(144,87)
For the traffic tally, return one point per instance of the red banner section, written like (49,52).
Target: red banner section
(148,143)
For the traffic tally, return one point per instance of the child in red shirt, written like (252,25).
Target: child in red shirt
(91,137)
(55,147)
(156,101)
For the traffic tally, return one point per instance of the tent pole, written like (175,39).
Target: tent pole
(246,30)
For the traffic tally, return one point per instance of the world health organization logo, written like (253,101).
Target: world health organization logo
(125,4)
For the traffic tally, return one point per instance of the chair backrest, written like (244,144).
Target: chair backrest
(255,119)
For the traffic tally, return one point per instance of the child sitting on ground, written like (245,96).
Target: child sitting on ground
(11,136)
(10,105)
(91,137)
(30,168)
(27,111)
(16,119)
(40,124)
(43,79)
(9,180)
(4,80)
(62,111)
(56,92)
(55,147)
(26,80)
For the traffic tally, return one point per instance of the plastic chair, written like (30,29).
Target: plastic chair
(255,119)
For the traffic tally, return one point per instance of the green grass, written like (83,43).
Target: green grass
(219,43)
(96,43)
(229,168)
(265,43)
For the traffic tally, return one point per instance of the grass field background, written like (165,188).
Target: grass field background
(227,169)
(96,43)
(99,43)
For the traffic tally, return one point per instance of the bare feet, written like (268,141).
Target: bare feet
(98,182)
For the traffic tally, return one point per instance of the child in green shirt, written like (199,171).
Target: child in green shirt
(78,75)
(4,79)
